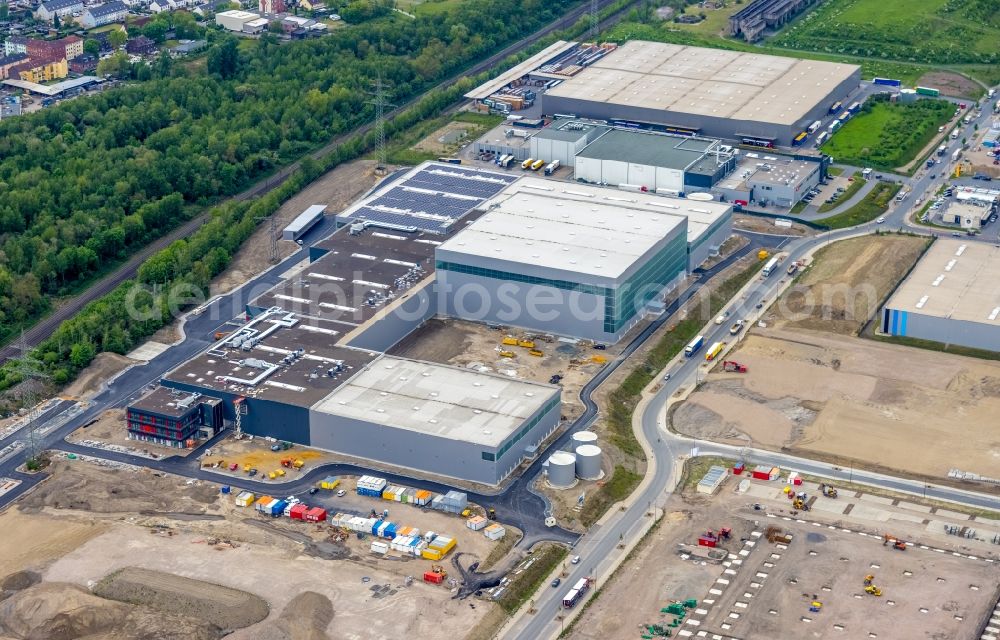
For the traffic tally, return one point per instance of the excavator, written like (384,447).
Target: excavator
(896,542)
(870,588)
(828,491)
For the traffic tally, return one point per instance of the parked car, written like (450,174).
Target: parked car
(575,560)
(313,491)
(341,493)
(879,220)
(556,583)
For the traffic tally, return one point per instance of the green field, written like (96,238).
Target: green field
(427,7)
(908,72)
(872,206)
(886,135)
(929,31)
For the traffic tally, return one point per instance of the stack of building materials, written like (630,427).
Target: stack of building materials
(494,532)
(245,499)
(476,523)
(371,486)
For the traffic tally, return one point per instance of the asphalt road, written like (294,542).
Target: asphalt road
(598,548)
(46,326)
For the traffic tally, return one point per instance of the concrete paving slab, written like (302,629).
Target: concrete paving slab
(867,497)
(954,515)
(147,351)
(764,491)
(830,506)
(865,512)
(909,506)
(906,517)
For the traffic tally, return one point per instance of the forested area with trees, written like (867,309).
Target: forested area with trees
(122,167)
(90,180)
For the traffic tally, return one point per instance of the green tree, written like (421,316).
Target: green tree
(224,59)
(4,11)
(117,38)
(81,354)
(155,31)
(55,22)
(92,47)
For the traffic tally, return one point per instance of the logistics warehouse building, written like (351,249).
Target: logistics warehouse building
(714,92)
(285,376)
(309,364)
(573,259)
(951,296)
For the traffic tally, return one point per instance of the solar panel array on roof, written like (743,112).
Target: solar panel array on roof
(433,198)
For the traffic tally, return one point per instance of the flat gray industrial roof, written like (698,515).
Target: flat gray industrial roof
(583,229)
(564,135)
(438,400)
(674,152)
(707,82)
(166,402)
(956,280)
(302,382)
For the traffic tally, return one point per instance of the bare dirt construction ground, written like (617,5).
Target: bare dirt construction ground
(950,84)
(110,429)
(474,346)
(770,588)
(848,399)
(88,521)
(222,606)
(845,282)
(766,225)
(457,132)
(257,453)
(337,189)
(91,379)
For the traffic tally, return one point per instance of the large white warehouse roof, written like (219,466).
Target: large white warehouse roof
(583,229)
(955,279)
(707,82)
(438,400)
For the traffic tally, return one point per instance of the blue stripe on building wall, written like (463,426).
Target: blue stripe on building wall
(903,315)
(895,322)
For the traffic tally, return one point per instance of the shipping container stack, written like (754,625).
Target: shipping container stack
(371,486)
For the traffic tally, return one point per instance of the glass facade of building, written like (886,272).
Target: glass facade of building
(621,303)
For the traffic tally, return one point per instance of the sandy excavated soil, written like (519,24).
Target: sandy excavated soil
(34,541)
(845,282)
(90,379)
(85,487)
(950,84)
(766,225)
(224,607)
(60,611)
(906,409)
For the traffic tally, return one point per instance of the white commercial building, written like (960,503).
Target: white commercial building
(235,19)
(573,260)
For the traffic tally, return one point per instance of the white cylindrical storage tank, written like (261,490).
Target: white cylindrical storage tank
(588,462)
(584,437)
(562,469)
